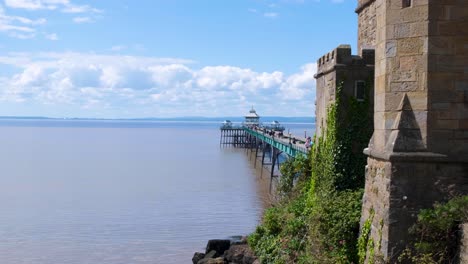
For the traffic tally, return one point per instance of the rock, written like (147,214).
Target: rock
(212,261)
(249,258)
(197,257)
(210,254)
(218,245)
(235,253)
(238,240)
(241,254)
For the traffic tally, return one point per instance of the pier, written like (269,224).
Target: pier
(266,142)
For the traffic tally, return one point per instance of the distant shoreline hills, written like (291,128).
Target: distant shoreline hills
(265,119)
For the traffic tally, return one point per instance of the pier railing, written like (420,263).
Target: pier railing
(284,144)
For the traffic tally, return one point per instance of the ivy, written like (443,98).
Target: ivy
(363,241)
(317,219)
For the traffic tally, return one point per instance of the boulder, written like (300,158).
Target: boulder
(197,257)
(218,245)
(238,240)
(212,261)
(241,254)
(211,254)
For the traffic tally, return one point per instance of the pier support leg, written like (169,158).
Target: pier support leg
(252,146)
(256,154)
(263,158)
(273,161)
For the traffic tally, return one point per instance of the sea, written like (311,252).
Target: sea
(123,191)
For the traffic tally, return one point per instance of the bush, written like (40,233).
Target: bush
(436,233)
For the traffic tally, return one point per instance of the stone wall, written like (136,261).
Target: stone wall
(448,78)
(401,71)
(418,152)
(366,25)
(464,244)
(333,68)
(398,189)
(325,95)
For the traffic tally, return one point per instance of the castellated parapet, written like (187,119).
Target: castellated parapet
(339,66)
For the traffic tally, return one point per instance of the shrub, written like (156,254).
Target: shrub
(436,233)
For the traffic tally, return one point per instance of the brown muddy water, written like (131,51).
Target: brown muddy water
(112,192)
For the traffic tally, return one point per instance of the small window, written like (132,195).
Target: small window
(360,91)
(406,3)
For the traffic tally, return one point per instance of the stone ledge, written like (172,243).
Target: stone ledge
(363,5)
(413,156)
(339,66)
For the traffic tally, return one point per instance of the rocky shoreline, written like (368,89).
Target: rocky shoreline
(226,251)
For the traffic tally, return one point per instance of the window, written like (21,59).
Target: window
(406,3)
(360,91)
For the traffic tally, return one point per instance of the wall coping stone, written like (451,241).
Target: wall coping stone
(363,5)
(413,156)
(341,66)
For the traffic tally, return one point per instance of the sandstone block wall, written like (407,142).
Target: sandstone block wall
(447,79)
(464,244)
(367,21)
(396,190)
(333,68)
(401,70)
(418,152)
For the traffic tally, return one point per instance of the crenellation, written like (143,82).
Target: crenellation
(339,65)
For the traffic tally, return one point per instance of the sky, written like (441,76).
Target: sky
(166,58)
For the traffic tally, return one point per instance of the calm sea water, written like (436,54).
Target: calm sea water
(108,192)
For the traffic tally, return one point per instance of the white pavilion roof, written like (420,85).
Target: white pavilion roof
(252,114)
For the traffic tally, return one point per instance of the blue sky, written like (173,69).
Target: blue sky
(157,58)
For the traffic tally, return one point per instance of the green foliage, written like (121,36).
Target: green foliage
(317,220)
(290,170)
(338,224)
(436,233)
(282,235)
(363,241)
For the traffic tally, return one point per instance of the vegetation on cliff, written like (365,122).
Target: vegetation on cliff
(317,219)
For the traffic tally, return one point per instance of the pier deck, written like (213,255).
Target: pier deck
(284,144)
(266,140)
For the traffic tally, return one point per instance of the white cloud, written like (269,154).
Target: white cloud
(81,20)
(36,4)
(65,6)
(80,9)
(297,85)
(270,14)
(16,26)
(98,82)
(19,27)
(118,48)
(52,36)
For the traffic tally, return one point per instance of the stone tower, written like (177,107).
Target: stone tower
(418,153)
(340,68)
(367,21)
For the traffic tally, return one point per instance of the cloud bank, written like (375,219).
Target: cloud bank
(99,85)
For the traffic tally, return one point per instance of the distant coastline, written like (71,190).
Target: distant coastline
(265,119)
